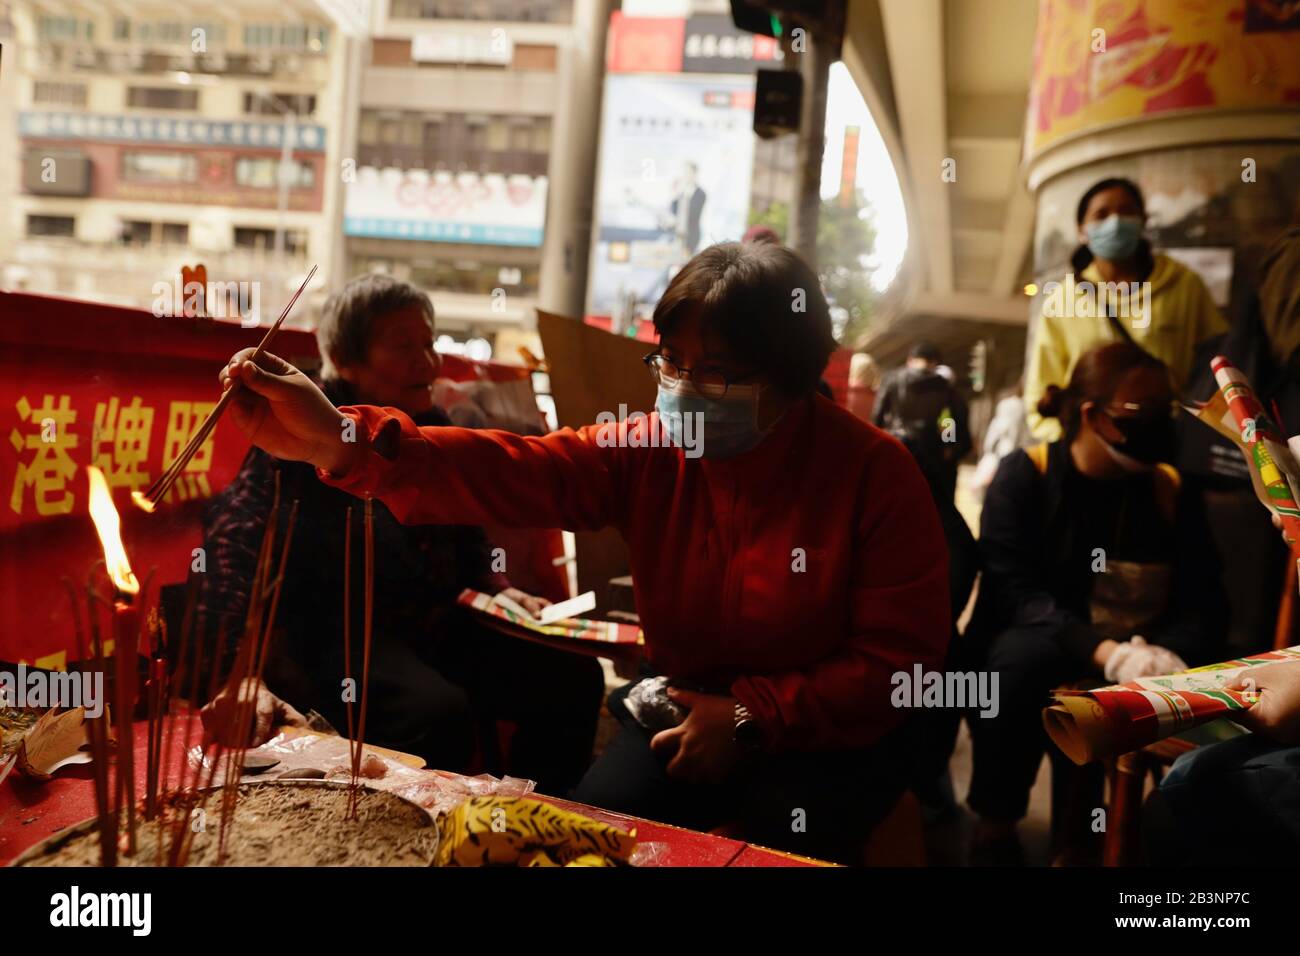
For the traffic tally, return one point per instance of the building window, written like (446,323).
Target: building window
(286,36)
(175,233)
(142,232)
(51,226)
(476,136)
(136,232)
(277,104)
(160,168)
(534,56)
(464,276)
(506,144)
(390,52)
(59,94)
(161,98)
(262,172)
(263,240)
(214,33)
(65,28)
(512,11)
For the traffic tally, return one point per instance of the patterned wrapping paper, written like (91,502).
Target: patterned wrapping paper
(1096,724)
(1237,414)
(573,628)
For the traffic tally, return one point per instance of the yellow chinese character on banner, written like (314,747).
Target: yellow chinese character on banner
(121,442)
(50,466)
(183,420)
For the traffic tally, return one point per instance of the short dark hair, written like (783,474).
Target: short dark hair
(343,335)
(765,303)
(925,350)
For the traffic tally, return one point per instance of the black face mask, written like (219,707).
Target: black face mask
(1147,438)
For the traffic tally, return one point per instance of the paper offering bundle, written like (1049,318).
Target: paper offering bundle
(1096,724)
(571,633)
(1235,412)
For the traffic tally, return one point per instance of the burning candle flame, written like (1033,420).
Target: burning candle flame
(109,527)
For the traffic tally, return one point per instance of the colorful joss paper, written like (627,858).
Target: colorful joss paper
(1095,724)
(1236,413)
(518,831)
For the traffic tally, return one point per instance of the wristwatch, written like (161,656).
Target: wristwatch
(748,734)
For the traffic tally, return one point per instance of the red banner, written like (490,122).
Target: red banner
(84,384)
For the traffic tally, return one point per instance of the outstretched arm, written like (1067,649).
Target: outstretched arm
(437,475)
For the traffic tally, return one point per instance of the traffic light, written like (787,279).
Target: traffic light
(754,18)
(778,101)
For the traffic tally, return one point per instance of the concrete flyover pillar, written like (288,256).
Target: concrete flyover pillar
(1199,103)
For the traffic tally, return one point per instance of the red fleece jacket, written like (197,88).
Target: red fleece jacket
(802,574)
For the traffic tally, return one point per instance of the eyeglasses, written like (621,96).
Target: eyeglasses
(710,382)
(1146,409)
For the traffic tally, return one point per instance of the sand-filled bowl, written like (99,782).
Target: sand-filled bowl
(275,823)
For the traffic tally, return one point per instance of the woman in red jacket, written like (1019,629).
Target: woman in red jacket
(787,557)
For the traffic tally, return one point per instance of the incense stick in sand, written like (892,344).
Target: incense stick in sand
(368,612)
(149,500)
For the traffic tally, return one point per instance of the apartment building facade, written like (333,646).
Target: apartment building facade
(151,136)
(461,104)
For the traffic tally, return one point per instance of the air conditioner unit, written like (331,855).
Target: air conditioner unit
(215,63)
(260,63)
(135,59)
(184,62)
(292,64)
(85,57)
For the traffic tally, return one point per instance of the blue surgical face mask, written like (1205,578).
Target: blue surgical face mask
(1115,238)
(712,428)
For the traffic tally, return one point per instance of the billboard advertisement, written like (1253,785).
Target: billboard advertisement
(674,176)
(446,207)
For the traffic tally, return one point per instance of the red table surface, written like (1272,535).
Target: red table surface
(31,811)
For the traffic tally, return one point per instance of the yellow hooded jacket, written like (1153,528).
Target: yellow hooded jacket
(1169,317)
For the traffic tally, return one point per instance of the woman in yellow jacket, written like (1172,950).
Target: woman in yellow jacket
(1118,290)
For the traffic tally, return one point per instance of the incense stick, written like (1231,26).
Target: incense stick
(365,654)
(245,660)
(261,648)
(347,639)
(168,478)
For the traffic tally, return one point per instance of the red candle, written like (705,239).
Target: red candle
(126,638)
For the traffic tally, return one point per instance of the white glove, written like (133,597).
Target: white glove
(1136,658)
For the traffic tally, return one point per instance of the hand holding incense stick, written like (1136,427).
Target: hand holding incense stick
(149,500)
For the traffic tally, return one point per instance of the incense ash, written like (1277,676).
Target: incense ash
(275,824)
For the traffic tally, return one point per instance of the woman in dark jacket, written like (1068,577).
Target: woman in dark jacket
(1096,566)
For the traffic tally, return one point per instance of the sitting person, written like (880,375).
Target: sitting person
(1236,803)
(784,569)
(1096,565)
(435,676)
